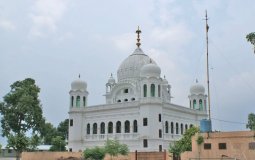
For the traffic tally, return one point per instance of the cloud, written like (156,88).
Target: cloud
(178,35)
(123,42)
(7,25)
(243,82)
(45,16)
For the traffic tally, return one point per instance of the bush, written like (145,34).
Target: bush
(95,153)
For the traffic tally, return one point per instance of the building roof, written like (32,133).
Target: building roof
(43,147)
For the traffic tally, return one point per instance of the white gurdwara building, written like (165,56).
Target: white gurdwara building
(138,110)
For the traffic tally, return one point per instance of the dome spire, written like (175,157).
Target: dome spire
(138,31)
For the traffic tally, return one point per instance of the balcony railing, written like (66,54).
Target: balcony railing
(119,136)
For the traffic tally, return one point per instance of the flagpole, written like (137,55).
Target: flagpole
(207,65)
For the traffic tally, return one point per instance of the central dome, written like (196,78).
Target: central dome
(130,68)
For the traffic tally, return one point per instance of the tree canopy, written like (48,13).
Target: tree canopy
(251,38)
(49,132)
(96,153)
(184,144)
(21,113)
(111,147)
(251,121)
(58,144)
(63,128)
(114,148)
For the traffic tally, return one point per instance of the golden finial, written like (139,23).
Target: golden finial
(138,31)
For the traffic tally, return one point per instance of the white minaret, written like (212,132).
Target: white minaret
(166,91)
(109,85)
(78,94)
(78,101)
(197,97)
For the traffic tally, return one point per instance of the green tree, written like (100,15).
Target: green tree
(251,121)
(96,153)
(58,144)
(114,148)
(34,141)
(48,132)
(184,144)
(63,128)
(21,113)
(251,38)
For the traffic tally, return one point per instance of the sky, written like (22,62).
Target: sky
(53,41)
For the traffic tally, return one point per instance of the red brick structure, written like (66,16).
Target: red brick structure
(239,145)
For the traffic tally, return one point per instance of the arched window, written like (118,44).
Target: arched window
(132,99)
(194,104)
(166,127)
(181,128)
(119,101)
(177,128)
(118,127)
(88,128)
(158,90)
(102,128)
(72,99)
(125,100)
(110,127)
(152,90)
(84,101)
(78,99)
(186,127)
(160,133)
(108,88)
(127,126)
(135,129)
(145,90)
(94,128)
(200,104)
(190,126)
(172,127)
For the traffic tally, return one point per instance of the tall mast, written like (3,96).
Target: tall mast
(207,66)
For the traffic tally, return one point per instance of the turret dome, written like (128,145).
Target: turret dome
(79,85)
(165,82)
(111,80)
(197,89)
(150,70)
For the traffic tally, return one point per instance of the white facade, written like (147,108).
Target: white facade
(138,109)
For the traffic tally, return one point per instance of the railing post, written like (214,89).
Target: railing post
(135,154)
